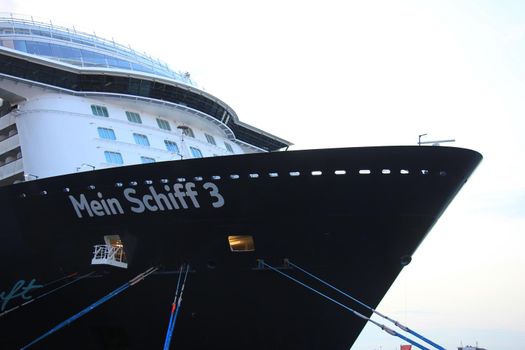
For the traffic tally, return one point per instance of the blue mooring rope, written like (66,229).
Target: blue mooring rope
(383,327)
(73,318)
(175,307)
(404,328)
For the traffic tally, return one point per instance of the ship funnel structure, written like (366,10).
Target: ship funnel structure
(111,253)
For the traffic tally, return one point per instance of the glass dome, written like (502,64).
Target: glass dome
(78,48)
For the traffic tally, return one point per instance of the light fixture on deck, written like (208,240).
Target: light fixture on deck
(88,165)
(433,143)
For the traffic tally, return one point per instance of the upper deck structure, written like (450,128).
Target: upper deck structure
(72,101)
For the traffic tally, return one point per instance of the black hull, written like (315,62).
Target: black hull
(351,229)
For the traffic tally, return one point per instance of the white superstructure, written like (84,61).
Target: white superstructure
(73,102)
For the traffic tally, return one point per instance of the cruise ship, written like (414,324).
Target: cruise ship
(122,181)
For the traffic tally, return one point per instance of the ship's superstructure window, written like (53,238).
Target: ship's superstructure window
(134,117)
(187,131)
(228,147)
(113,157)
(106,133)
(99,111)
(196,152)
(141,139)
(86,57)
(171,146)
(210,139)
(163,124)
(145,160)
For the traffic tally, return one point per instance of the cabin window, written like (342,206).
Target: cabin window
(99,111)
(186,131)
(210,139)
(106,133)
(163,124)
(145,160)
(228,147)
(171,146)
(196,152)
(133,117)
(113,157)
(141,139)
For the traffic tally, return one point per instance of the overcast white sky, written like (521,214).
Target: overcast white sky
(354,73)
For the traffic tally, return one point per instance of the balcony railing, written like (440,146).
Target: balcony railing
(105,254)
(7,143)
(11,168)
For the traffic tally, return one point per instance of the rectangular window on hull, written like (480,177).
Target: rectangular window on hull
(113,157)
(196,152)
(163,124)
(99,111)
(145,160)
(242,243)
(171,146)
(133,117)
(106,133)
(141,139)
(210,139)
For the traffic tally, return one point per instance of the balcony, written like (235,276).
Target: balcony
(11,167)
(9,143)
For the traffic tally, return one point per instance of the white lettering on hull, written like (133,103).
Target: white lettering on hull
(177,197)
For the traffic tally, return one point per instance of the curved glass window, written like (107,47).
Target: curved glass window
(163,124)
(196,152)
(89,58)
(187,131)
(171,146)
(99,111)
(106,133)
(141,139)
(210,139)
(133,117)
(113,157)
(53,41)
